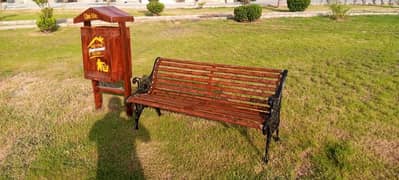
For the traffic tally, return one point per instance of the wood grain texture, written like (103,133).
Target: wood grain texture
(233,94)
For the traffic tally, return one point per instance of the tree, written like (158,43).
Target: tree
(46,22)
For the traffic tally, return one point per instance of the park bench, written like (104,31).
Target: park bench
(246,96)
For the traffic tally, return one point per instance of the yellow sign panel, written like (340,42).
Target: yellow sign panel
(101,66)
(88,16)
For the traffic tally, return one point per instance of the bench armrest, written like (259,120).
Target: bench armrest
(272,121)
(143,84)
(279,90)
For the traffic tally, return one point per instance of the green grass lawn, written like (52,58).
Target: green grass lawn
(11,15)
(339,116)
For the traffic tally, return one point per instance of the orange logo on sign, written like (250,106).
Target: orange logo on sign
(96,47)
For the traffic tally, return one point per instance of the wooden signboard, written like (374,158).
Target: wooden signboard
(106,51)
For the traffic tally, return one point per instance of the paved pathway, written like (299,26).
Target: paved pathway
(7,25)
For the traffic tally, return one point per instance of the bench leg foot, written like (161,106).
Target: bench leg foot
(268,138)
(138,109)
(277,138)
(158,111)
(129,110)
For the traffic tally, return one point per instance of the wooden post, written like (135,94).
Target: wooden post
(128,65)
(98,97)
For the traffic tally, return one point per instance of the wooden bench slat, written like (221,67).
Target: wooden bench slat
(217,69)
(182,77)
(246,73)
(245,79)
(183,71)
(222,65)
(243,85)
(183,83)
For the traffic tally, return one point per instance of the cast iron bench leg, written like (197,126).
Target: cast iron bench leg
(277,138)
(158,111)
(268,138)
(138,108)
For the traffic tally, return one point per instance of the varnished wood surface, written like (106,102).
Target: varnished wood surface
(234,94)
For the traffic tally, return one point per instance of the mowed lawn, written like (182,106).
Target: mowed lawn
(340,115)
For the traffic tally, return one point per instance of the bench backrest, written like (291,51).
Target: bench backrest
(243,87)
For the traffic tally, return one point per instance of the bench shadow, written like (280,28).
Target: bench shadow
(244,133)
(115,138)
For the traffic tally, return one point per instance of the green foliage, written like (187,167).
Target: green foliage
(155,7)
(339,11)
(254,11)
(240,13)
(297,5)
(200,5)
(247,13)
(41,3)
(46,21)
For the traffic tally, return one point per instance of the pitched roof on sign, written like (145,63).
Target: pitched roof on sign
(105,13)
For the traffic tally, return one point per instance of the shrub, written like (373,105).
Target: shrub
(240,13)
(201,4)
(254,11)
(155,7)
(46,21)
(339,11)
(247,13)
(297,5)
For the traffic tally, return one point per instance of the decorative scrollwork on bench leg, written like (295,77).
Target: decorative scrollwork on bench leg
(143,84)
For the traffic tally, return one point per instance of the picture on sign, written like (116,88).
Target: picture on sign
(102,66)
(96,47)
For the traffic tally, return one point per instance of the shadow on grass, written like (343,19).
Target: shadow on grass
(244,133)
(116,145)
